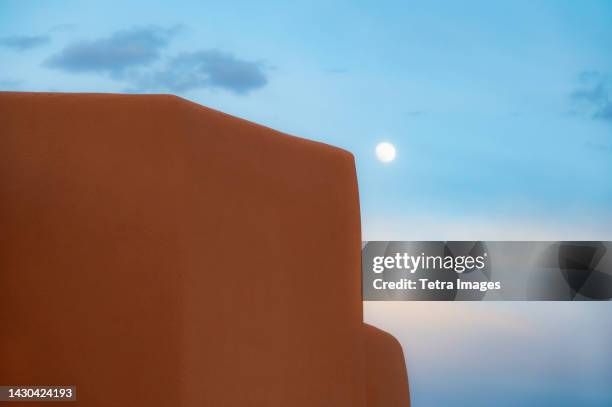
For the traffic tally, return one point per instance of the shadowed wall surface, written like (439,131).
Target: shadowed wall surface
(386,378)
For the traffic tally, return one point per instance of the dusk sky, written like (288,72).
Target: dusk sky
(501,115)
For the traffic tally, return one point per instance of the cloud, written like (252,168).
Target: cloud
(10,84)
(338,71)
(63,27)
(24,42)
(604,148)
(115,54)
(594,95)
(129,55)
(205,69)
(415,113)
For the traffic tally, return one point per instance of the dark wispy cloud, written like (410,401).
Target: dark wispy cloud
(115,54)
(205,69)
(24,42)
(594,95)
(136,57)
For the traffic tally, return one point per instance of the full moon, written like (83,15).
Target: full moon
(385,152)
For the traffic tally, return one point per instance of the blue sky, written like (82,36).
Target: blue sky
(501,114)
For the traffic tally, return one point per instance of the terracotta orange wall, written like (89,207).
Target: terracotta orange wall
(386,378)
(158,253)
